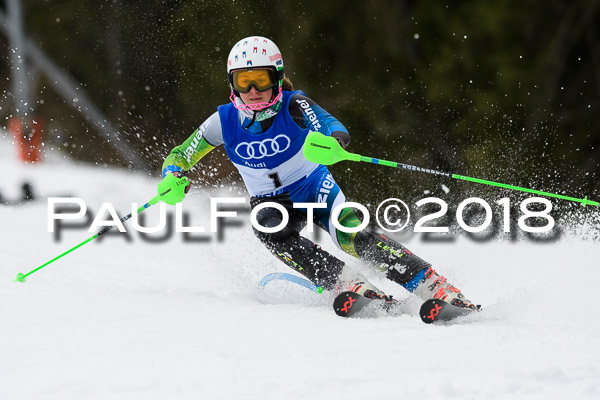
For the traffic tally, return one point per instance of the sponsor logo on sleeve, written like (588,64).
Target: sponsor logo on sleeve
(189,151)
(310,114)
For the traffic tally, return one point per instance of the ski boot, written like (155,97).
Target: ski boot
(435,286)
(360,285)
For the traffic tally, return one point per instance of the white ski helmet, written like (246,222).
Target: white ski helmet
(256,52)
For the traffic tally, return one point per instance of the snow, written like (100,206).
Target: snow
(132,319)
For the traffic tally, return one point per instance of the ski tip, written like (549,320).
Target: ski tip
(20,278)
(438,310)
(431,309)
(344,303)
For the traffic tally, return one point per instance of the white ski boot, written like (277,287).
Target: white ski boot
(435,286)
(353,281)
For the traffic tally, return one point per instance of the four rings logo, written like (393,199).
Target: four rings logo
(267,148)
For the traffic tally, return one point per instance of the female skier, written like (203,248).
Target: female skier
(263,130)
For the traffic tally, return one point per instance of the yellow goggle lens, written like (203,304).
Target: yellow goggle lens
(260,78)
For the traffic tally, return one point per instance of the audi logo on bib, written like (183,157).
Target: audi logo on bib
(267,148)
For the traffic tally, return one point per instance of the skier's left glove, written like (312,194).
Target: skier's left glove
(173,187)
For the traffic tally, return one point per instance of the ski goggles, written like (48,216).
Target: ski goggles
(243,79)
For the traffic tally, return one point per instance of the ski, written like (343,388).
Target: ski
(350,304)
(434,310)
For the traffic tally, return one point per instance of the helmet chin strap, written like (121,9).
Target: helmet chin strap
(259,111)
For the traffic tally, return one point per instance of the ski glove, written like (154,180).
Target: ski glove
(173,187)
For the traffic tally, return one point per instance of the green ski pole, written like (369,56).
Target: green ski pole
(326,150)
(21,277)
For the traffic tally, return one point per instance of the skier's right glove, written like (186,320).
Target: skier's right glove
(173,187)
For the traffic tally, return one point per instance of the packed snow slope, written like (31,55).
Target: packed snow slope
(178,319)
